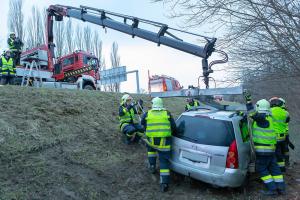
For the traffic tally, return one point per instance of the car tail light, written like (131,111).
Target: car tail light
(232,156)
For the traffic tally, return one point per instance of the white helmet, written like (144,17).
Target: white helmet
(157,104)
(263,106)
(126,97)
(283,102)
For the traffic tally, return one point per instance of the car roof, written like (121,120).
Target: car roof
(213,114)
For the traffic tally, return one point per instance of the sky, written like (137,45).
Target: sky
(135,53)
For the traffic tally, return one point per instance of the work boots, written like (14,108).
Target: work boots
(164,187)
(152,169)
(281,192)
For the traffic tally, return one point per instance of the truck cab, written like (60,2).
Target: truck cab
(163,83)
(66,67)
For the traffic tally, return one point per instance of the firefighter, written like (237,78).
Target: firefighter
(281,119)
(159,125)
(265,139)
(287,141)
(129,119)
(191,103)
(15,45)
(7,68)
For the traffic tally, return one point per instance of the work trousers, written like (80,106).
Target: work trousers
(164,163)
(269,171)
(5,80)
(280,154)
(129,132)
(16,55)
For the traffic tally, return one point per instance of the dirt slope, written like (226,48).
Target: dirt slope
(64,144)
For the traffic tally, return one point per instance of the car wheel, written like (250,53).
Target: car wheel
(88,87)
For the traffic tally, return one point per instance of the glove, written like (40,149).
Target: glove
(128,107)
(247,96)
(240,113)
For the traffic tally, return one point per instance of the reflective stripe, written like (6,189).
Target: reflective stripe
(264,149)
(278,178)
(130,134)
(161,146)
(164,172)
(152,154)
(263,130)
(266,137)
(279,121)
(158,124)
(267,179)
(123,125)
(281,164)
(272,147)
(158,130)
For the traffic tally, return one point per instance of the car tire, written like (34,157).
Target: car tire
(88,87)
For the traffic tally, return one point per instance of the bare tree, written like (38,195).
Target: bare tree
(87,38)
(35,29)
(97,48)
(79,37)
(260,35)
(15,18)
(69,36)
(115,62)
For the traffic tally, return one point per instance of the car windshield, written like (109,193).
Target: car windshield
(204,130)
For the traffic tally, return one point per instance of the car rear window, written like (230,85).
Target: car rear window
(203,130)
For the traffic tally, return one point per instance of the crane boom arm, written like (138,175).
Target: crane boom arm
(108,19)
(163,36)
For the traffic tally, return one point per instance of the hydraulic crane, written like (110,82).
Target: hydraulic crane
(131,25)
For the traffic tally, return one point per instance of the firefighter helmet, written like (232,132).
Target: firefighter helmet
(263,106)
(157,104)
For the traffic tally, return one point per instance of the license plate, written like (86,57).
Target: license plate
(195,157)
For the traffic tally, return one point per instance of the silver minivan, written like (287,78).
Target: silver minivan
(209,147)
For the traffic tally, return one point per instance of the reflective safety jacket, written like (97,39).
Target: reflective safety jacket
(195,104)
(159,126)
(127,116)
(7,67)
(11,44)
(280,120)
(264,139)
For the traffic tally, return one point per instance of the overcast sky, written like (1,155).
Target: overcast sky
(135,53)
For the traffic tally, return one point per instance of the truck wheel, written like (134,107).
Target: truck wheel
(88,87)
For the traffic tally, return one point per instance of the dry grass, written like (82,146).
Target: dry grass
(65,144)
